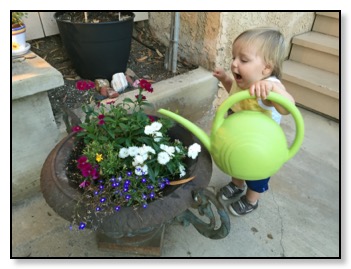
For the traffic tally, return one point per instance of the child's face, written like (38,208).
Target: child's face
(248,66)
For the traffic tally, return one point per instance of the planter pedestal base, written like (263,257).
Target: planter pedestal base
(149,245)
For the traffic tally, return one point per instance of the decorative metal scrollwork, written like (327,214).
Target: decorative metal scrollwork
(203,199)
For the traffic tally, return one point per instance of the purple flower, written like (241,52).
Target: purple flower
(82,226)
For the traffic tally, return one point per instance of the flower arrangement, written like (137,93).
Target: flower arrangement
(127,157)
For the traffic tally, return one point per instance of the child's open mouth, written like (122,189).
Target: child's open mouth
(237,76)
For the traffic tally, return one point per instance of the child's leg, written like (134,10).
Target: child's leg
(252,196)
(249,202)
(238,182)
(233,190)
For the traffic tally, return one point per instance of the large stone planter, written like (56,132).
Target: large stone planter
(128,227)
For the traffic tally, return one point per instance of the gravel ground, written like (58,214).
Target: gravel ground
(146,61)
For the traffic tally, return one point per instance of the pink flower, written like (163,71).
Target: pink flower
(95,173)
(136,83)
(77,129)
(82,159)
(84,184)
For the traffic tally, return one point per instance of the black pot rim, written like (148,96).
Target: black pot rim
(57,14)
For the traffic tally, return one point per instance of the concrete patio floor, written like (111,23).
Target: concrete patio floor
(298,217)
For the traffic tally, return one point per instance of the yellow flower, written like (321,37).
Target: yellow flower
(15,46)
(99,157)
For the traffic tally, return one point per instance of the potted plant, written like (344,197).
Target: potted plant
(98,43)
(19,45)
(119,171)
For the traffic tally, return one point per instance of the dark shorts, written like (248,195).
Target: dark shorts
(258,185)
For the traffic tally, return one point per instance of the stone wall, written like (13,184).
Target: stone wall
(206,38)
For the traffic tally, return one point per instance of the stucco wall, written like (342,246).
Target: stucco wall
(206,38)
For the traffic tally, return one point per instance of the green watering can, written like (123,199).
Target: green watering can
(247,145)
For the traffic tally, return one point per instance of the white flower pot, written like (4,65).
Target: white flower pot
(18,38)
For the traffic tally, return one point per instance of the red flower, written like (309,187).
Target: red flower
(144,84)
(77,129)
(142,96)
(84,85)
(152,119)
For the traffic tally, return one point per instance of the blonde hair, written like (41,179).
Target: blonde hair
(271,44)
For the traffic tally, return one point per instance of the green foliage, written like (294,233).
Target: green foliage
(16,17)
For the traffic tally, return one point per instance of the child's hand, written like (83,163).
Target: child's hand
(219,73)
(261,89)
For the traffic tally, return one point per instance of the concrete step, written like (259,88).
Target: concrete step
(327,23)
(330,14)
(317,50)
(312,88)
(34,132)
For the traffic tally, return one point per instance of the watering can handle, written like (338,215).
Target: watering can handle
(277,98)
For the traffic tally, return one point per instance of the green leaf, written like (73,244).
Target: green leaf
(151,174)
(124,126)
(128,100)
(111,134)
(103,138)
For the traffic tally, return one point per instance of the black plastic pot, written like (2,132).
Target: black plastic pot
(97,50)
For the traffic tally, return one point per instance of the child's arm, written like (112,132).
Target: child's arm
(262,88)
(223,77)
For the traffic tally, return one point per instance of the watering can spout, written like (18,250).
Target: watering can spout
(193,128)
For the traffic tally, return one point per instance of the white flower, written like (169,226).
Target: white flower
(194,150)
(138,159)
(163,158)
(133,151)
(144,156)
(153,129)
(141,170)
(157,136)
(156,125)
(168,149)
(148,130)
(182,170)
(143,150)
(123,153)
(149,149)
